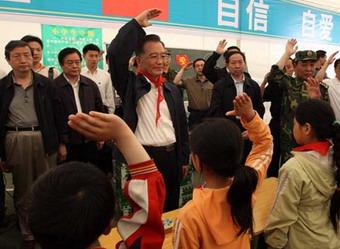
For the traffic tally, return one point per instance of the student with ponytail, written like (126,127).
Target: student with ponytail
(220,214)
(306,211)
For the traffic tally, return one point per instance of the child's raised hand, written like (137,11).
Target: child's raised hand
(243,107)
(97,126)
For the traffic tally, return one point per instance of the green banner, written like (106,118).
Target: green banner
(56,37)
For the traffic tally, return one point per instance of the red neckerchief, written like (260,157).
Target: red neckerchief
(158,82)
(321,147)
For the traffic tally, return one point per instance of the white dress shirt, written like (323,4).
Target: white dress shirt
(104,83)
(239,85)
(147,132)
(75,88)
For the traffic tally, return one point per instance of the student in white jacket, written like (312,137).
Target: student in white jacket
(306,211)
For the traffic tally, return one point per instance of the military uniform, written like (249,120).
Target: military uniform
(294,91)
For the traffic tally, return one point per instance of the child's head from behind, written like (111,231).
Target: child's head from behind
(72,205)
(313,121)
(218,145)
(217,148)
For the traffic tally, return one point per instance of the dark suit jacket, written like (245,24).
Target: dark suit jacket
(90,100)
(131,87)
(224,93)
(47,105)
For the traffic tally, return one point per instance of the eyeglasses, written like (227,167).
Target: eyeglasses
(70,63)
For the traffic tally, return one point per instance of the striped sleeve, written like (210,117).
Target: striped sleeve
(143,228)
(184,238)
(261,153)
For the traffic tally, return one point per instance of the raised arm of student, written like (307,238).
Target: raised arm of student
(259,134)
(146,189)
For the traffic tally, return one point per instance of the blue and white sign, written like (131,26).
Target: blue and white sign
(274,18)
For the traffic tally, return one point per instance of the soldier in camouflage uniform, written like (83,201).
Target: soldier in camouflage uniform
(294,91)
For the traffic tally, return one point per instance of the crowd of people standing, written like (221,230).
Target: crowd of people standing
(54,123)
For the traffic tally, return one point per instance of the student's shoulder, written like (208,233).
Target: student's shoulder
(187,211)
(293,167)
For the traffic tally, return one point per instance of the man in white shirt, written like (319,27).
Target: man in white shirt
(91,54)
(37,46)
(334,89)
(152,107)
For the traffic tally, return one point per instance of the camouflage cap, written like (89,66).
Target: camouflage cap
(305,55)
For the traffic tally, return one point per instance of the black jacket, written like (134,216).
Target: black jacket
(131,87)
(90,100)
(224,93)
(47,105)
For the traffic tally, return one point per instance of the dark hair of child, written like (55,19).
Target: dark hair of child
(72,205)
(218,144)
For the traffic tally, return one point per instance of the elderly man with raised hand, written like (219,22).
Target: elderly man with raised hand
(153,108)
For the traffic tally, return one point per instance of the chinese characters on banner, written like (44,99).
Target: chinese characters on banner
(274,18)
(266,17)
(258,15)
(310,27)
(228,13)
(257,10)
(56,37)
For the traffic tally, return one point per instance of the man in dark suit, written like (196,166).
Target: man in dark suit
(77,94)
(153,107)
(227,88)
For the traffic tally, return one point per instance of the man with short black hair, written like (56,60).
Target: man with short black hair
(153,108)
(91,54)
(233,84)
(78,94)
(30,129)
(37,46)
(210,70)
(199,91)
